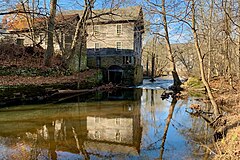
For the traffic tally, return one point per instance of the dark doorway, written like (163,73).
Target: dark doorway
(115,74)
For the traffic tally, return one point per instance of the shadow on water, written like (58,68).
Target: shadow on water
(124,124)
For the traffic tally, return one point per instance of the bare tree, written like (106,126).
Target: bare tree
(176,80)
(159,10)
(200,58)
(238,51)
(226,44)
(51,26)
(80,33)
(210,41)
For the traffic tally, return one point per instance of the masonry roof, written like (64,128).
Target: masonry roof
(98,16)
(112,15)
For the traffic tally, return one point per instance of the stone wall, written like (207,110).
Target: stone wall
(132,75)
(105,62)
(107,36)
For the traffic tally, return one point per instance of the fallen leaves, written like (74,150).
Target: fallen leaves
(40,80)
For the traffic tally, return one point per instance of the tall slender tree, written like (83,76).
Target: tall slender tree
(200,58)
(176,80)
(238,51)
(51,26)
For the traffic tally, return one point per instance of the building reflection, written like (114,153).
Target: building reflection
(84,128)
(117,130)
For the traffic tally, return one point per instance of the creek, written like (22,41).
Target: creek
(132,123)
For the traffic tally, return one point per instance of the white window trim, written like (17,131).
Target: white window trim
(97,49)
(97,134)
(117,46)
(130,58)
(117,29)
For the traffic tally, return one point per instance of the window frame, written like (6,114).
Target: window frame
(129,60)
(117,47)
(117,29)
(97,134)
(20,41)
(97,49)
(118,136)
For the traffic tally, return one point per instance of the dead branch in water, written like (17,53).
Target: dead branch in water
(69,91)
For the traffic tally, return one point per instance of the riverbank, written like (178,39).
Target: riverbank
(86,76)
(227,98)
(19,89)
(24,78)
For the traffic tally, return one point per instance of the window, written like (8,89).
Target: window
(118,46)
(128,60)
(119,29)
(118,136)
(20,41)
(67,41)
(97,135)
(97,46)
(96,30)
(117,121)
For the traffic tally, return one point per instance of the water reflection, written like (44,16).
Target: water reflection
(168,131)
(84,129)
(171,109)
(127,124)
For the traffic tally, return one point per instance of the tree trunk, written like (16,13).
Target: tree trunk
(200,58)
(227,8)
(238,42)
(210,43)
(80,32)
(176,80)
(30,22)
(153,67)
(51,26)
(147,66)
(238,50)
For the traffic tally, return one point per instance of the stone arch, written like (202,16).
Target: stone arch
(115,74)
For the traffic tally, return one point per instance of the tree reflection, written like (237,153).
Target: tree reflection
(52,143)
(152,97)
(80,145)
(77,130)
(171,109)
